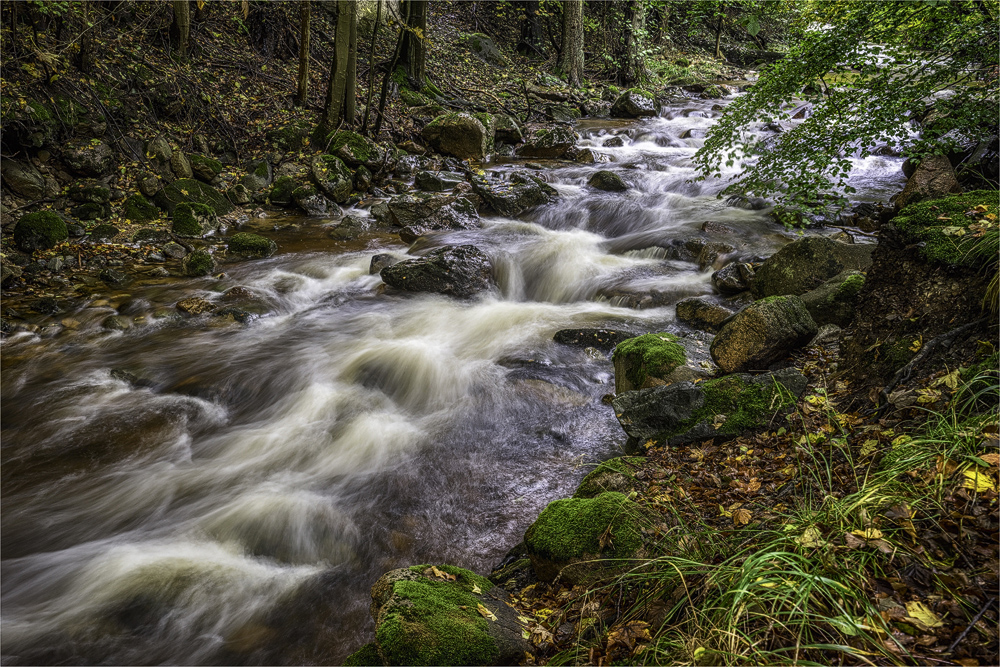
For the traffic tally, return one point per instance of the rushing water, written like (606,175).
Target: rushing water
(237,502)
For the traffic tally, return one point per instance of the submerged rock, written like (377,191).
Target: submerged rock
(459,271)
(433,615)
(717,409)
(762,333)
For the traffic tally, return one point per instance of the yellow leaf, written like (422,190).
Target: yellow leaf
(486,613)
(978,481)
(868,447)
(476,588)
(917,344)
(920,615)
(441,574)
(811,537)
(741,517)
(201,4)
(868,533)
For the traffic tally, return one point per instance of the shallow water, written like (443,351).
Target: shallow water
(235,504)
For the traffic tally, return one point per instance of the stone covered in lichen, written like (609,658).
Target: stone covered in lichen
(805,264)
(40,231)
(332,177)
(433,615)
(583,539)
(194,220)
(941,225)
(762,333)
(139,209)
(645,360)
(246,244)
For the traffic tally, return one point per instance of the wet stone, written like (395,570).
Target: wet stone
(194,306)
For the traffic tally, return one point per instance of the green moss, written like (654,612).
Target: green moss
(104,232)
(642,93)
(92,211)
(746,405)
(198,263)
(940,224)
(607,474)
(413,99)
(186,219)
(897,353)
(351,147)
(191,191)
(139,209)
(291,137)
(207,164)
(431,90)
(303,192)
(261,170)
(439,624)
(251,245)
(653,354)
(281,191)
(366,656)
(572,528)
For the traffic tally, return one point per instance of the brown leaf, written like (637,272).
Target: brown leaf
(741,517)
(852,542)
(441,574)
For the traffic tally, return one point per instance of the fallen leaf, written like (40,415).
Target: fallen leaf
(921,615)
(486,613)
(978,482)
(852,542)
(868,533)
(741,517)
(476,588)
(811,538)
(992,459)
(441,574)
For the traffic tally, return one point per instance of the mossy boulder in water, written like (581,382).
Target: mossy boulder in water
(434,615)
(461,135)
(190,191)
(806,263)
(634,103)
(194,220)
(139,209)
(40,231)
(581,540)
(550,142)
(608,181)
(515,196)
(762,333)
(246,244)
(645,360)
(723,408)
(198,263)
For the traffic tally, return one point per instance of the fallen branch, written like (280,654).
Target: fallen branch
(972,624)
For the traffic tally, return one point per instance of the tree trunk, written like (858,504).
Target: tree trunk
(414,45)
(571,54)
(339,107)
(181,31)
(88,57)
(302,96)
(532,41)
(371,67)
(350,97)
(397,57)
(635,64)
(718,39)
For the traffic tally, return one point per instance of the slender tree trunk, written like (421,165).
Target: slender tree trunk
(718,39)
(340,91)
(571,54)
(531,41)
(350,93)
(397,56)
(87,55)
(182,27)
(634,65)
(414,42)
(371,67)
(302,96)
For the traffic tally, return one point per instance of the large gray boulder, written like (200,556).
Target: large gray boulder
(806,263)
(460,271)
(483,48)
(332,177)
(933,178)
(835,301)
(512,197)
(700,313)
(718,409)
(444,615)
(547,141)
(88,158)
(762,333)
(458,134)
(634,103)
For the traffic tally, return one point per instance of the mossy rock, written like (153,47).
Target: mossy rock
(194,220)
(188,190)
(616,474)
(723,408)
(150,236)
(608,181)
(806,263)
(834,301)
(460,135)
(645,360)
(198,263)
(204,168)
(941,225)
(259,175)
(634,103)
(245,244)
(91,211)
(423,618)
(291,137)
(332,177)
(582,540)
(412,98)
(40,231)
(89,191)
(104,232)
(281,191)
(366,656)
(355,150)
(547,142)
(762,333)
(139,209)
(488,122)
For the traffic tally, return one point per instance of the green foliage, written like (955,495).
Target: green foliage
(879,65)
(941,225)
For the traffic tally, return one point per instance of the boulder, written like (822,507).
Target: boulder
(458,134)
(350,227)
(180,165)
(381,261)
(601,339)
(291,137)
(194,220)
(644,361)
(245,244)
(188,190)
(805,264)
(616,474)
(313,202)
(40,231)
(139,209)
(431,212)
(88,157)
(483,48)
(762,333)
(570,538)
(565,113)
(608,181)
(507,129)
(238,195)
(112,276)
(434,615)
(89,191)
(460,271)
(933,178)
(104,233)
(733,278)
(198,263)
(332,177)
(550,142)
(204,168)
(194,306)
(700,313)
(91,211)
(634,103)
(834,301)
(719,409)
(259,175)
(356,150)
(149,183)
(23,179)
(714,254)
(513,197)
(438,181)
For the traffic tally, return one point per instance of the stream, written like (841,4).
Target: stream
(189,493)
